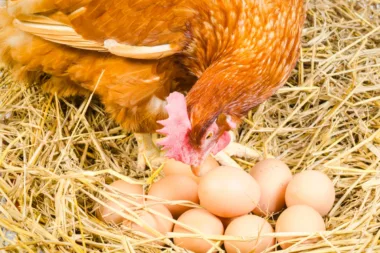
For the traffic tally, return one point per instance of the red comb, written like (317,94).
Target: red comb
(176,128)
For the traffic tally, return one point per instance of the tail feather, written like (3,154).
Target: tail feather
(26,7)
(131,90)
(11,38)
(29,58)
(5,33)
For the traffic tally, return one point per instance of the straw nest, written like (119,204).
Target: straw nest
(57,155)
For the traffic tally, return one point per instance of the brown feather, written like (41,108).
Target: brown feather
(240,59)
(163,22)
(133,91)
(241,51)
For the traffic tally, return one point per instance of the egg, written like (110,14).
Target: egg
(176,187)
(202,221)
(148,216)
(273,177)
(172,167)
(249,226)
(144,217)
(298,218)
(312,188)
(228,192)
(124,190)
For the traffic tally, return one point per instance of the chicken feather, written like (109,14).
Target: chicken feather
(127,88)
(229,55)
(60,33)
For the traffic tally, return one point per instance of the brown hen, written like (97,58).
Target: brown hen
(227,56)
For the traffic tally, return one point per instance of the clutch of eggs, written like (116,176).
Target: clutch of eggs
(222,202)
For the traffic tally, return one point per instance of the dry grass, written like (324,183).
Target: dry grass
(57,155)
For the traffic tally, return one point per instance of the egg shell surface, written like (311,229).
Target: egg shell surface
(152,220)
(172,167)
(299,218)
(273,177)
(202,221)
(130,193)
(176,187)
(228,192)
(249,226)
(312,188)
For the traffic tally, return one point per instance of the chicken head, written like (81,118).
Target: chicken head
(177,128)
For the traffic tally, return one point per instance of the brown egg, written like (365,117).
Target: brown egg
(273,177)
(174,167)
(130,193)
(228,192)
(176,187)
(109,212)
(126,188)
(312,188)
(209,164)
(249,226)
(202,221)
(156,222)
(146,218)
(298,218)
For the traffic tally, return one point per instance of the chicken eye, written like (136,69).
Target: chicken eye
(209,135)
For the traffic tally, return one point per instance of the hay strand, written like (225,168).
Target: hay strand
(58,155)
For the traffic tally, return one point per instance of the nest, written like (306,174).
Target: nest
(57,155)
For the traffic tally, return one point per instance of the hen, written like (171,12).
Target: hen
(140,56)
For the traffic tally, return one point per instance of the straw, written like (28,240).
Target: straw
(58,154)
